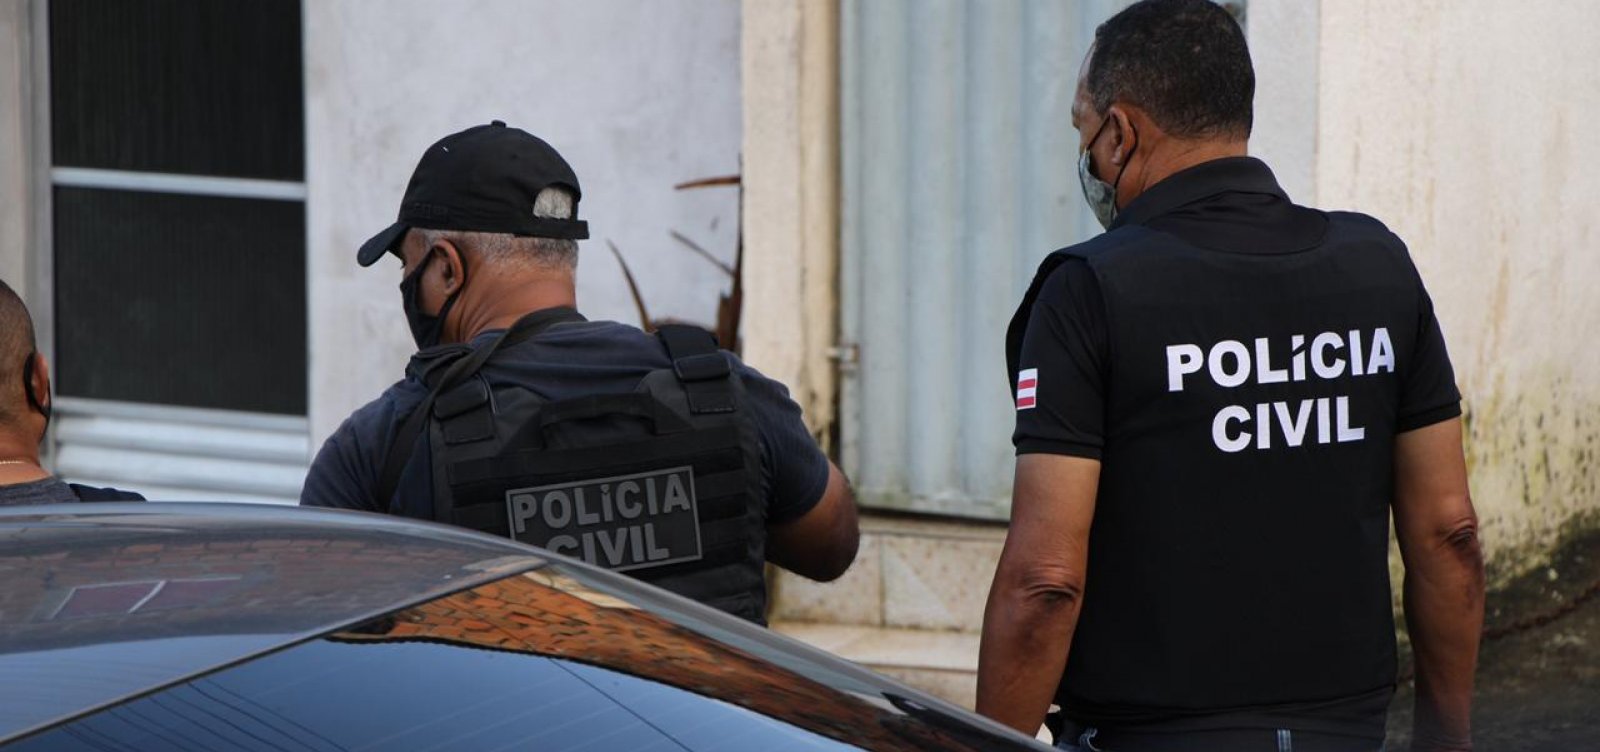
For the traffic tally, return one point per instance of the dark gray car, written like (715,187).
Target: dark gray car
(232,627)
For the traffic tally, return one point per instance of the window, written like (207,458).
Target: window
(178,252)
(178,148)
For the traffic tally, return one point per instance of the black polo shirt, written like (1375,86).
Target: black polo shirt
(1240,366)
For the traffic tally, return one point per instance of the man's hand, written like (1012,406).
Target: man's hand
(1038,589)
(823,542)
(1438,533)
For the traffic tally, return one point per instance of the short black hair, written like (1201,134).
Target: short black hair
(1185,62)
(16,346)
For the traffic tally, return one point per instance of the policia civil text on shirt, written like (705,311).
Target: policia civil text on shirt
(660,456)
(25,405)
(1220,401)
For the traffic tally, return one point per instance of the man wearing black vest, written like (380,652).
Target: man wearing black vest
(1220,401)
(660,456)
(25,414)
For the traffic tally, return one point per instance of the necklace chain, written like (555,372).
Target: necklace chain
(17,462)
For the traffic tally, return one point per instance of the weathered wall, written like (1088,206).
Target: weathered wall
(791,196)
(637,94)
(1466,127)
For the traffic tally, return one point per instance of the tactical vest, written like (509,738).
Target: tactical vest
(1239,549)
(663,483)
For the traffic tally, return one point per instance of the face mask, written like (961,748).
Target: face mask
(27,388)
(425,329)
(1102,196)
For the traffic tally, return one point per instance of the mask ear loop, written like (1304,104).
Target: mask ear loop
(450,302)
(27,387)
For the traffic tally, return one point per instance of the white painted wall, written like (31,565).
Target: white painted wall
(1467,127)
(1280,34)
(637,94)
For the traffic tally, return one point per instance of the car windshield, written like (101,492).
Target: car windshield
(354,694)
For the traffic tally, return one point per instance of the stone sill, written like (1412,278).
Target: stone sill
(890,648)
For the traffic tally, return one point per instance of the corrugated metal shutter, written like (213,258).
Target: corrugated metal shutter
(959,170)
(181,454)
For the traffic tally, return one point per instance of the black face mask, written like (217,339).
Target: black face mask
(426,329)
(27,388)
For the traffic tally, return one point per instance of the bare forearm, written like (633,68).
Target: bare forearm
(1444,614)
(1022,655)
(1038,589)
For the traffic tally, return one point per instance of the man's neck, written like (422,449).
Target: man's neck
(502,300)
(19,461)
(1171,156)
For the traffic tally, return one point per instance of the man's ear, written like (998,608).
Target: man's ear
(454,267)
(39,381)
(1124,139)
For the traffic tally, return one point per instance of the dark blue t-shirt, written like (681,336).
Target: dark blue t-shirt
(564,361)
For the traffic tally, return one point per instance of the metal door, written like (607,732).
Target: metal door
(959,172)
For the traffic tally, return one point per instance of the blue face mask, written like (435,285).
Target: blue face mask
(1102,196)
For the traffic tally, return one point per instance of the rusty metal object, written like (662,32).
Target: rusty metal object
(729,306)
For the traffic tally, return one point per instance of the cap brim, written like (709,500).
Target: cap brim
(383,242)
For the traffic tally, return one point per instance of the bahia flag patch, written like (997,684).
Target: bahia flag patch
(1027,388)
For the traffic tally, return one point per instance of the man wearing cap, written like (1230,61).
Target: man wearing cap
(660,456)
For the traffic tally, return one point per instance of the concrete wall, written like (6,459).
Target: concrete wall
(790,80)
(1466,126)
(637,94)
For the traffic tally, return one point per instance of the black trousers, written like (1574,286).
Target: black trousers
(1078,737)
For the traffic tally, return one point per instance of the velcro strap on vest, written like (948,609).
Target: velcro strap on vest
(460,398)
(463,412)
(700,366)
(708,367)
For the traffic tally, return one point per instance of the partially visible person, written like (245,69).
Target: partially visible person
(24,415)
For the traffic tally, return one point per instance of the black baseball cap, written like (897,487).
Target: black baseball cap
(483,179)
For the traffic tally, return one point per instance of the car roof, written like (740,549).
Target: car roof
(102,603)
(99,602)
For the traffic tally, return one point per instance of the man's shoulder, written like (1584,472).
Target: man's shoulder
(1107,246)
(95,493)
(381,416)
(581,344)
(1072,272)
(1366,239)
(1352,225)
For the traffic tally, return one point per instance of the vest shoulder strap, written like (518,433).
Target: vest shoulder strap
(701,367)
(405,440)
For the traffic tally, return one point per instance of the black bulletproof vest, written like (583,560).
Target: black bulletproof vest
(662,483)
(1239,551)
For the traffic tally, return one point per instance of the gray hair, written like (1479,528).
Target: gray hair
(504,249)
